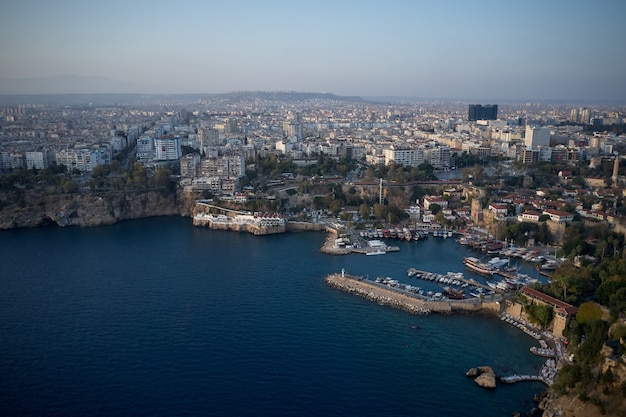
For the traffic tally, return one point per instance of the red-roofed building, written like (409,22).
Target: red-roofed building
(563,311)
(500,210)
(428,201)
(559,216)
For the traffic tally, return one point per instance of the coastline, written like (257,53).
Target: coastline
(393,298)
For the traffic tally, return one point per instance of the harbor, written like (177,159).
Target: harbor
(390,292)
(490,279)
(386,291)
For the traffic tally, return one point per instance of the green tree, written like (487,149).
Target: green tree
(540,314)
(335,207)
(69,186)
(434,208)
(161,180)
(140,176)
(116,167)
(588,312)
(379,211)
(364,210)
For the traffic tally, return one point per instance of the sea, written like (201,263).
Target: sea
(156,317)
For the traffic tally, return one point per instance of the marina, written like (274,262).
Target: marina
(456,279)
(388,291)
(497,278)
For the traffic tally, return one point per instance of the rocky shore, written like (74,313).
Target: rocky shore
(85,210)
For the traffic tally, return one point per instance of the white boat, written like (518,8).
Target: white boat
(475,265)
(376,252)
(491,284)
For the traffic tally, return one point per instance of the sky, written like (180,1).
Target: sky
(445,49)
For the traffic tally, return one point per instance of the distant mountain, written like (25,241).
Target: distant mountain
(65,84)
(286,96)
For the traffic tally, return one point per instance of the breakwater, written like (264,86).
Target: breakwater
(405,301)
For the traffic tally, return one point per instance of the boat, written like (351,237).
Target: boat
(493,285)
(475,265)
(454,293)
(376,252)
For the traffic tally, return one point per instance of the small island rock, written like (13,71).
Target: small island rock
(486,380)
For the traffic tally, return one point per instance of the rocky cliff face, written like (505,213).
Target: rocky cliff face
(87,210)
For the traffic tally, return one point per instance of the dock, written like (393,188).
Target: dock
(512,379)
(403,299)
(469,281)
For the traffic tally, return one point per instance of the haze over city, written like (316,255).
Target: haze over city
(533,50)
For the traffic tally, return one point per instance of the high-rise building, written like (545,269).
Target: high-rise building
(167,148)
(480,112)
(537,136)
(584,115)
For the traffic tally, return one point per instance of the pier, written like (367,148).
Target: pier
(469,281)
(405,300)
(512,379)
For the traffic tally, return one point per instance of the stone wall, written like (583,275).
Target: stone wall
(372,292)
(305,227)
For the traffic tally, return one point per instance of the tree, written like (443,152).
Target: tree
(588,312)
(379,211)
(69,186)
(140,176)
(364,210)
(116,167)
(540,314)
(335,207)
(161,180)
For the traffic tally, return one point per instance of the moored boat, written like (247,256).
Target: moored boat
(475,265)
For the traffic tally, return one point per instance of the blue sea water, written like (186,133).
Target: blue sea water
(156,317)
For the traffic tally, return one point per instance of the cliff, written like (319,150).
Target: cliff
(86,210)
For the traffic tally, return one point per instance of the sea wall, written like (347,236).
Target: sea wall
(305,227)
(239,227)
(370,291)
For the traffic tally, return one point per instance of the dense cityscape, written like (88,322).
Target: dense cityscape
(537,175)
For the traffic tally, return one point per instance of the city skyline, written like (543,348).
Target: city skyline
(448,50)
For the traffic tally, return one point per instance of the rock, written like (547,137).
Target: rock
(87,210)
(485,370)
(486,380)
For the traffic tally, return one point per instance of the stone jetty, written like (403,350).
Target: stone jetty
(403,300)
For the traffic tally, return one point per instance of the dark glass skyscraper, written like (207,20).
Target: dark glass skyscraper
(480,112)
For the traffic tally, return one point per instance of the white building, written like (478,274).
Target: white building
(83,159)
(189,165)
(167,148)
(537,136)
(399,156)
(11,160)
(438,156)
(228,166)
(145,149)
(36,159)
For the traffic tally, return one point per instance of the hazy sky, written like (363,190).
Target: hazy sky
(501,49)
